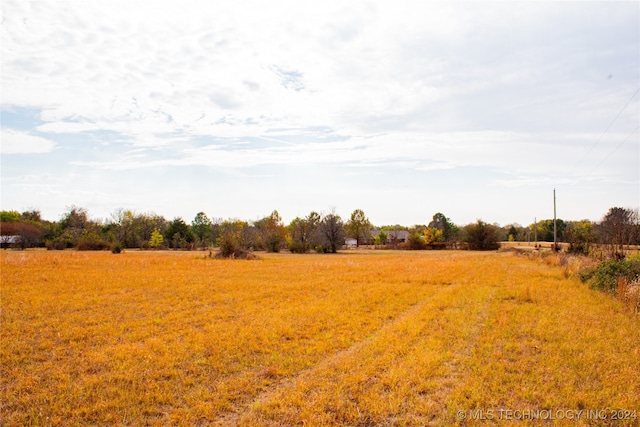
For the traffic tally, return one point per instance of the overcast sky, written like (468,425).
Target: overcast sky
(403,109)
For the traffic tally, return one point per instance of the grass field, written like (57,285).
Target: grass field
(361,338)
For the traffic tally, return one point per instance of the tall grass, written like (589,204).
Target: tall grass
(92,338)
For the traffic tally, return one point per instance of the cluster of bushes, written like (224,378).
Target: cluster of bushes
(620,277)
(607,275)
(615,276)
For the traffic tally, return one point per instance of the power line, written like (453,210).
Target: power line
(614,150)
(606,130)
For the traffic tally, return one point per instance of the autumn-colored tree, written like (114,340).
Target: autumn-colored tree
(303,233)
(236,237)
(449,229)
(25,235)
(156,239)
(432,236)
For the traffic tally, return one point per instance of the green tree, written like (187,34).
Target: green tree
(449,229)
(202,229)
(545,230)
(358,227)
(178,233)
(33,216)
(415,240)
(381,238)
(481,236)
(9,216)
(580,235)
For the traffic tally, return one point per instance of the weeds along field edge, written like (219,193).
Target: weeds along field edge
(388,338)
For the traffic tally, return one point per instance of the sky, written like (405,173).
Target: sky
(403,109)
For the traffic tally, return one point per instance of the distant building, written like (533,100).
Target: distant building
(397,236)
(394,237)
(8,241)
(350,242)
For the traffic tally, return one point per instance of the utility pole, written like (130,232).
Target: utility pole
(555,229)
(535,231)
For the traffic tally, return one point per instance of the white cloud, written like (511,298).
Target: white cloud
(424,87)
(355,68)
(17,142)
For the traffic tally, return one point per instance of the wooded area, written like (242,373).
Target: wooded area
(327,233)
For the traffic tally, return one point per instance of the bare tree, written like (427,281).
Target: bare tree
(617,230)
(331,232)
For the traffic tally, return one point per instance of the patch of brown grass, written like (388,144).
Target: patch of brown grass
(365,338)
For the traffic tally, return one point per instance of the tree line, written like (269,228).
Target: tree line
(325,233)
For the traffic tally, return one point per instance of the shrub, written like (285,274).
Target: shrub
(236,254)
(579,248)
(92,242)
(482,236)
(298,247)
(606,275)
(55,245)
(274,242)
(416,242)
(116,248)
(228,245)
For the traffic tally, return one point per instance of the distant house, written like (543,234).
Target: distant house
(394,237)
(397,236)
(350,242)
(8,241)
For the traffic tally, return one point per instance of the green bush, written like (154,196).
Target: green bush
(578,249)
(92,242)
(481,236)
(274,242)
(605,276)
(298,247)
(415,242)
(228,245)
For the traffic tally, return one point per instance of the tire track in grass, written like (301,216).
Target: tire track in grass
(233,419)
(401,374)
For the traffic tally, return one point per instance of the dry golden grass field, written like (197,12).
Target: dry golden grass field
(361,338)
